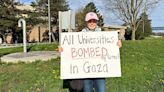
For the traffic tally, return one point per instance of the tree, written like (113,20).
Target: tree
(139,34)
(146,24)
(55,5)
(8,20)
(33,4)
(144,29)
(129,11)
(80,15)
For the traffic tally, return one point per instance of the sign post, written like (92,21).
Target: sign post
(66,21)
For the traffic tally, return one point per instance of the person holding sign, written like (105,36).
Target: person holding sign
(91,19)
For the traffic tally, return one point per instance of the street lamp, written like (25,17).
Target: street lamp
(22,22)
(49,21)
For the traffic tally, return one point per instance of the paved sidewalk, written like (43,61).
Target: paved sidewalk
(19,45)
(29,57)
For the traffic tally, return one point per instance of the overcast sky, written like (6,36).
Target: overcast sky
(157,15)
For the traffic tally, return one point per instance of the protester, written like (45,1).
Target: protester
(91,19)
(89,84)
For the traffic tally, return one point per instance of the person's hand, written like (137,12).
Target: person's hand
(60,49)
(119,43)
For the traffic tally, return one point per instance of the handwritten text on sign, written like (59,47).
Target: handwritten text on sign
(90,55)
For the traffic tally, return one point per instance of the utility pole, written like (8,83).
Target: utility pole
(49,21)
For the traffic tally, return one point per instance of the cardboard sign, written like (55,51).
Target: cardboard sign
(89,55)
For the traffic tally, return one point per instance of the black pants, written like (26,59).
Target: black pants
(73,85)
(73,90)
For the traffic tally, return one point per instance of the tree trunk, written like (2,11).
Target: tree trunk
(133,34)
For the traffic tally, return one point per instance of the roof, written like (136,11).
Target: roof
(158,28)
(25,7)
(114,26)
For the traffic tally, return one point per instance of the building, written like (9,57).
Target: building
(119,29)
(158,29)
(39,33)
(24,8)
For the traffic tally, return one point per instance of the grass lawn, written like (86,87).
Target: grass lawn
(142,64)
(142,67)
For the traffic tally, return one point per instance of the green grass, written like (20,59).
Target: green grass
(142,67)
(142,64)
(34,77)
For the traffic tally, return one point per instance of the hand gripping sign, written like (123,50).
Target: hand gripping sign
(89,55)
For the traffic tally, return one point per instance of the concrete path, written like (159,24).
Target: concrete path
(29,57)
(19,45)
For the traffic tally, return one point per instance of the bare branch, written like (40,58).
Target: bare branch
(129,11)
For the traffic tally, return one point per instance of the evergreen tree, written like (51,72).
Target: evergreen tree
(144,29)
(8,20)
(139,32)
(55,7)
(146,25)
(33,4)
(80,16)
